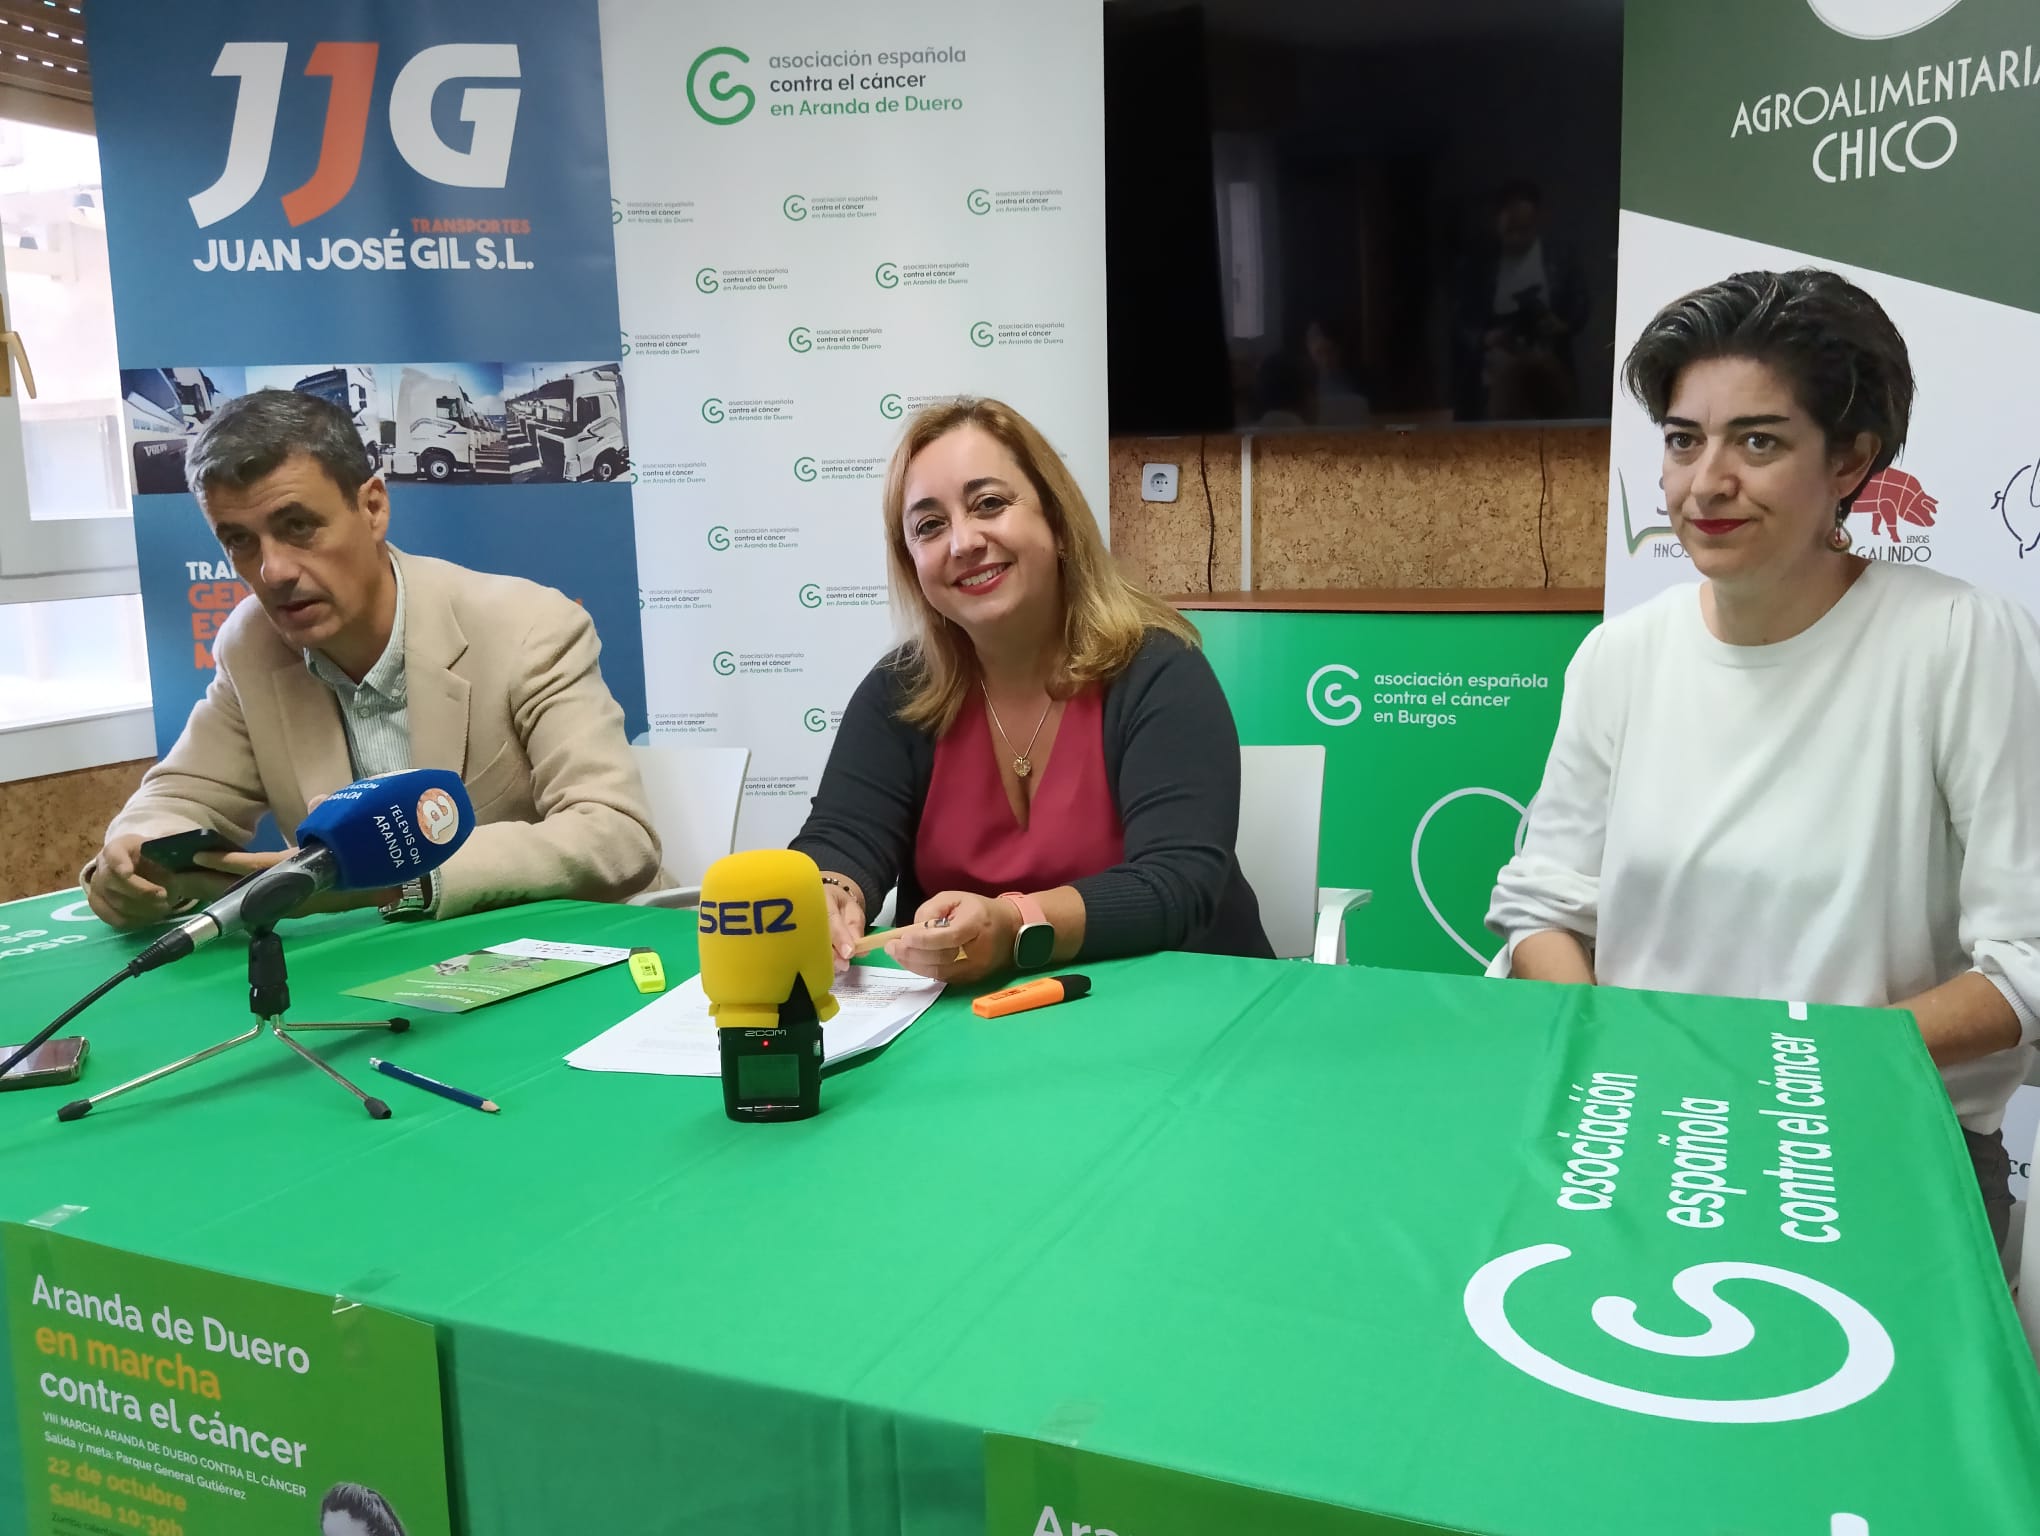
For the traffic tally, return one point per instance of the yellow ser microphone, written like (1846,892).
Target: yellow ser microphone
(767,968)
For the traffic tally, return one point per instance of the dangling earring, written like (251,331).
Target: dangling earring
(1839,540)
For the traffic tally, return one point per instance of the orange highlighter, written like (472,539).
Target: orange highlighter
(1031,994)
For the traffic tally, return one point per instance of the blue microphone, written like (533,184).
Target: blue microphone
(374,833)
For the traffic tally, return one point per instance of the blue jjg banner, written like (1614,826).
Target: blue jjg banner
(403,209)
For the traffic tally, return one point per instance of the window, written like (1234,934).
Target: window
(71,637)
(70,657)
(64,478)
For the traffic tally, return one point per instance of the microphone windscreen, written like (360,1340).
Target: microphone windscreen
(764,922)
(391,828)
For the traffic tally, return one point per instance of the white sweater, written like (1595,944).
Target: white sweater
(1849,816)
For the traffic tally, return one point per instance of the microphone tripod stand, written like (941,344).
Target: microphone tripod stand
(268,1000)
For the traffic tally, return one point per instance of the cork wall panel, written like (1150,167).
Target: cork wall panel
(1576,520)
(1163,546)
(56,822)
(1376,509)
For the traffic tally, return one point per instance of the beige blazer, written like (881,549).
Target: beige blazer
(503,688)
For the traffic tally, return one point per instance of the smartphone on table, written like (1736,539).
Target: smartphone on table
(58,1061)
(177,853)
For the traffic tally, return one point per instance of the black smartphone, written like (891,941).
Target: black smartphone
(59,1061)
(174,855)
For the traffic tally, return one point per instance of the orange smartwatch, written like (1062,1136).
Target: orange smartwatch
(1034,944)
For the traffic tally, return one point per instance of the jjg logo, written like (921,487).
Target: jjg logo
(886,275)
(801,339)
(811,596)
(1868,19)
(351,68)
(711,410)
(720,91)
(890,407)
(718,537)
(978,200)
(816,720)
(707,280)
(982,334)
(1866,1362)
(1338,707)
(724,663)
(794,206)
(803,468)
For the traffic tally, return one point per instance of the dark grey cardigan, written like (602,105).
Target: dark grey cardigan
(1172,759)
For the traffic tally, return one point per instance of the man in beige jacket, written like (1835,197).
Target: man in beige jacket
(352,658)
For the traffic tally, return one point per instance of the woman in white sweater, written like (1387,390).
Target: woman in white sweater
(1813,777)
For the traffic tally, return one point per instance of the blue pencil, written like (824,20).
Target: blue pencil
(444,1090)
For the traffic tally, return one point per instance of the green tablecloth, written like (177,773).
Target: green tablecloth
(1221,1217)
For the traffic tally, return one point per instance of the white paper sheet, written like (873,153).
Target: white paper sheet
(674,1036)
(549,949)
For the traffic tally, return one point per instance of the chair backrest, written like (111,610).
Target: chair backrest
(1281,805)
(694,794)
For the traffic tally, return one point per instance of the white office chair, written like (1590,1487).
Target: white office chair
(694,794)
(1281,809)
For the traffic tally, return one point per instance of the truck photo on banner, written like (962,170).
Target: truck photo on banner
(826,217)
(400,209)
(1898,143)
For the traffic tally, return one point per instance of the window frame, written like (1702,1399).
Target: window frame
(42,559)
(52,559)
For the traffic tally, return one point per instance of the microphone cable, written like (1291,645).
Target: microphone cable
(132,968)
(156,954)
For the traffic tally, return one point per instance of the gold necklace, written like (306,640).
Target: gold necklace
(1023,762)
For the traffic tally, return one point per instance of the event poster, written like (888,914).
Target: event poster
(403,210)
(826,217)
(1898,143)
(464,982)
(172,1401)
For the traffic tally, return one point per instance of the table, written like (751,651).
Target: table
(1220,1217)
